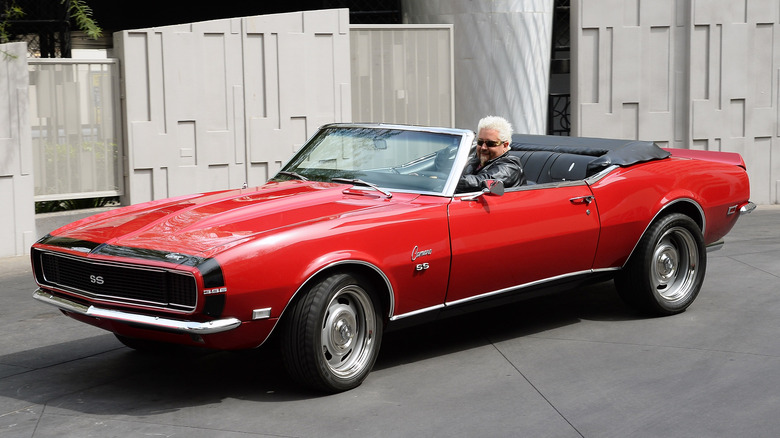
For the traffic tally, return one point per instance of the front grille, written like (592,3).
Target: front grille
(119,283)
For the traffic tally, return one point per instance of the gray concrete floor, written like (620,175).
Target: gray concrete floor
(577,364)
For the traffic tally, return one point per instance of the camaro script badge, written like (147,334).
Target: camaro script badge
(416,253)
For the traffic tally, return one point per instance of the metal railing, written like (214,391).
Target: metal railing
(75,124)
(558,114)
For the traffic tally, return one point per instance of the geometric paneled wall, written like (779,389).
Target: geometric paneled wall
(215,104)
(735,59)
(701,74)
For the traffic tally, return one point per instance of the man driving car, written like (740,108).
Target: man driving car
(492,160)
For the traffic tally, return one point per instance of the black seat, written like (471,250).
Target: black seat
(570,167)
(536,165)
(547,166)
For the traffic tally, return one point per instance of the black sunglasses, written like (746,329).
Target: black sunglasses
(489,143)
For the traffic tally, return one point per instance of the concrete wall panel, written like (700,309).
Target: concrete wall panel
(685,73)
(215,104)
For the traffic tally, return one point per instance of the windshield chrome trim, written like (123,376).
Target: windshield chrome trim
(466,141)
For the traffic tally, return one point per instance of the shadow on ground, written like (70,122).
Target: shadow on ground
(99,376)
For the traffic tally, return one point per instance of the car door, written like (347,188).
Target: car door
(526,235)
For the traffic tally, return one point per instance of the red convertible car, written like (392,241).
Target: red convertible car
(363,230)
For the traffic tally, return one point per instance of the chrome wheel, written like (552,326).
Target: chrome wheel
(676,259)
(332,333)
(666,270)
(348,332)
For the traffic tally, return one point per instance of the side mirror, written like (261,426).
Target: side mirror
(493,187)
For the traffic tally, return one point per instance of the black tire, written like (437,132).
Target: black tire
(666,270)
(332,334)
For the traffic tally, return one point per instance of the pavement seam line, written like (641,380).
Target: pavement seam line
(676,347)
(541,394)
(754,267)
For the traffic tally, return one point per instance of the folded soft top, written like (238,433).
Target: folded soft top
(606,151)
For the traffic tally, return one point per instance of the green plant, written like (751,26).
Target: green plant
(78,10)
(12,12)
(82,15)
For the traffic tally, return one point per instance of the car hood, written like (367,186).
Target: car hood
(199,224)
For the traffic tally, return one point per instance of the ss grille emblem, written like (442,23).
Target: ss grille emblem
(96,279)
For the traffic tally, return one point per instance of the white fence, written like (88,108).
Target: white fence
(403,74)
(74,120)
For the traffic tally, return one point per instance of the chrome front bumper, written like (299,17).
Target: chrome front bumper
(143,321)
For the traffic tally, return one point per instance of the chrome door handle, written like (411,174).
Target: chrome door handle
(582,200)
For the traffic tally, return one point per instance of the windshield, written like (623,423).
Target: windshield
(388,157)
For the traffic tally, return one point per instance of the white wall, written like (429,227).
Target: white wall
(212,105)
(17,223)
(684,73)
(502,57)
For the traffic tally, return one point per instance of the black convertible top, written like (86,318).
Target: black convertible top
(606,151)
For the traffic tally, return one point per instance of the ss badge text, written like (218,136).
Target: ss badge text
(417,253)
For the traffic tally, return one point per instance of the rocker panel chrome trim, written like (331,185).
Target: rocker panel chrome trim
(500,292)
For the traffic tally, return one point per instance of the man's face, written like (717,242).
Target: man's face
(486,152)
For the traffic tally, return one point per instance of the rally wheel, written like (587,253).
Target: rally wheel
(666,270)
(331,336)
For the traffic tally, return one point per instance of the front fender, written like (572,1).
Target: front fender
(268,273)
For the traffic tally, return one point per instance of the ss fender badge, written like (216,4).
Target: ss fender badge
(416,253)
(216,290)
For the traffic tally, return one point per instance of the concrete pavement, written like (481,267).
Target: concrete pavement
(577,364)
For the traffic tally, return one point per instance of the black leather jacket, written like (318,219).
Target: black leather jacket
(506,168)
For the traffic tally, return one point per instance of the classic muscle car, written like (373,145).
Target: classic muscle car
(362,231)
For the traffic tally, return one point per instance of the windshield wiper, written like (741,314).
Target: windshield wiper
(294,175)
(360,182)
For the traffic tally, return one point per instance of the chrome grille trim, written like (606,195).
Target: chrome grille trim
(120,283)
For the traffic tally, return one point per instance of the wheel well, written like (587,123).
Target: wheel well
(683,206)
(686,207)
(369,272)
